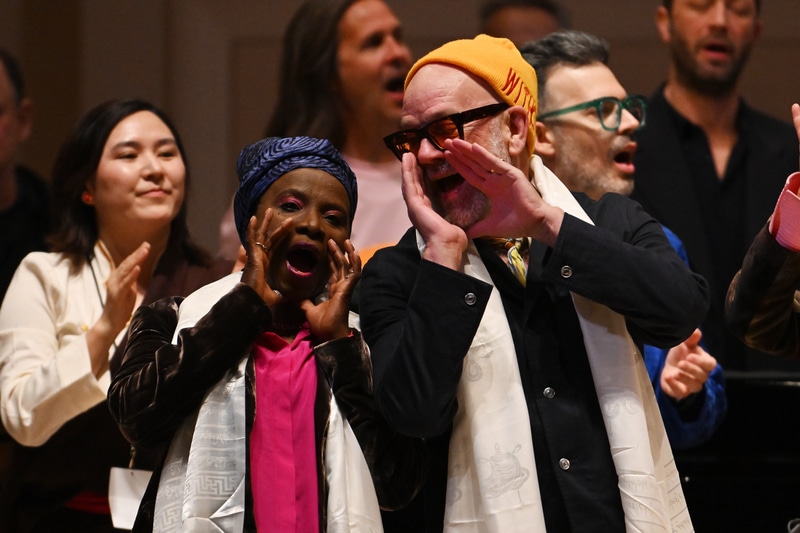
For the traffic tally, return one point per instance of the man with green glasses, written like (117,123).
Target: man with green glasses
(585,128)
(607,113)
(585,136)
(608,109)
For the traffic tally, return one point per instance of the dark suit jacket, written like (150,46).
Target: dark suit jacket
(160,384)
(665,190)
(419,320)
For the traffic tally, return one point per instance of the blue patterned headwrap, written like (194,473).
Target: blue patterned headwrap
(263,162)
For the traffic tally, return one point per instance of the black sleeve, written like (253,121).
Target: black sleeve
(419,319)
(397,462)
(761,307)
(625,262)
(159,383)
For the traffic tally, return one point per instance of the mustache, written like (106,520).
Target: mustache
(438,170)
(621,141)
(717,41)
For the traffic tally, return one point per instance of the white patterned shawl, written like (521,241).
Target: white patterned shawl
(202,485)
(492,482)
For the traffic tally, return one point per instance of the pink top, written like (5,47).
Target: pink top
(785,223)
(382,216)
(283,462)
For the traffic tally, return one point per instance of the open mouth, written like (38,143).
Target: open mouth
(625,158)
(395,85)
(717,49)
(301,260)
(624,161)
(449,183)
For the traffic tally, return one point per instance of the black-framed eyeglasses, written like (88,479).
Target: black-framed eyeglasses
(609,110)
(438,131)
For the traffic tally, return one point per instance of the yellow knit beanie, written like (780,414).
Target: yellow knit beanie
(496,61)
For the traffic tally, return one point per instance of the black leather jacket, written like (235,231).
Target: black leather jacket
(762,307)
(159,384)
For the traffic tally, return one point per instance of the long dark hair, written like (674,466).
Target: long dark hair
(308,91)
(75,229)
(14,73)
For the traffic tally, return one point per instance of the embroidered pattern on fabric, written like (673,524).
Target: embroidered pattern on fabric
(506,473)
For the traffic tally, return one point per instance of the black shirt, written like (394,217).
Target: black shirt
(723,202)
(677,183)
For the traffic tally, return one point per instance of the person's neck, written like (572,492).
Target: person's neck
(714,114)
(366,148)
(287,321)
(119,247)
(8,188)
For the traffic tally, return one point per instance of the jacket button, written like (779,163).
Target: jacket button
(566,272)
(549,393)
(470,298)
(563,463)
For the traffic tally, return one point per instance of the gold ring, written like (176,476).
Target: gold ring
(261,245)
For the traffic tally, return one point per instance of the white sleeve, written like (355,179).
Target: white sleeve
(46,377)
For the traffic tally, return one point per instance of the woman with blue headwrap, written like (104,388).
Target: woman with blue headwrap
(256,386)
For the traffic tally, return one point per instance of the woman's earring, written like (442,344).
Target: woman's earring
(86,197)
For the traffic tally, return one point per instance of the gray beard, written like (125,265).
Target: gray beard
(475,206)
(477,209)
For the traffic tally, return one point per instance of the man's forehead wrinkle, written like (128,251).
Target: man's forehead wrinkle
(436,104)
(440,90)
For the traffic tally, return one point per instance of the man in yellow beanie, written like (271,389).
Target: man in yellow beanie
(499,325)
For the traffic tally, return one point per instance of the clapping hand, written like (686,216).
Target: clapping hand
(122,296)
(687,368)
(121,292)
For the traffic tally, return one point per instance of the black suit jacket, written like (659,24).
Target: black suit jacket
(664,189)
(419,319)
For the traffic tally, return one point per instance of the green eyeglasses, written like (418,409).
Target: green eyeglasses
(609,110)
(438,131)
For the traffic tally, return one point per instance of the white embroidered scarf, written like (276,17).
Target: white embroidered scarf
(202,485)
(492,484)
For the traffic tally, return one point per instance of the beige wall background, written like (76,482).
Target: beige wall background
(212,66)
